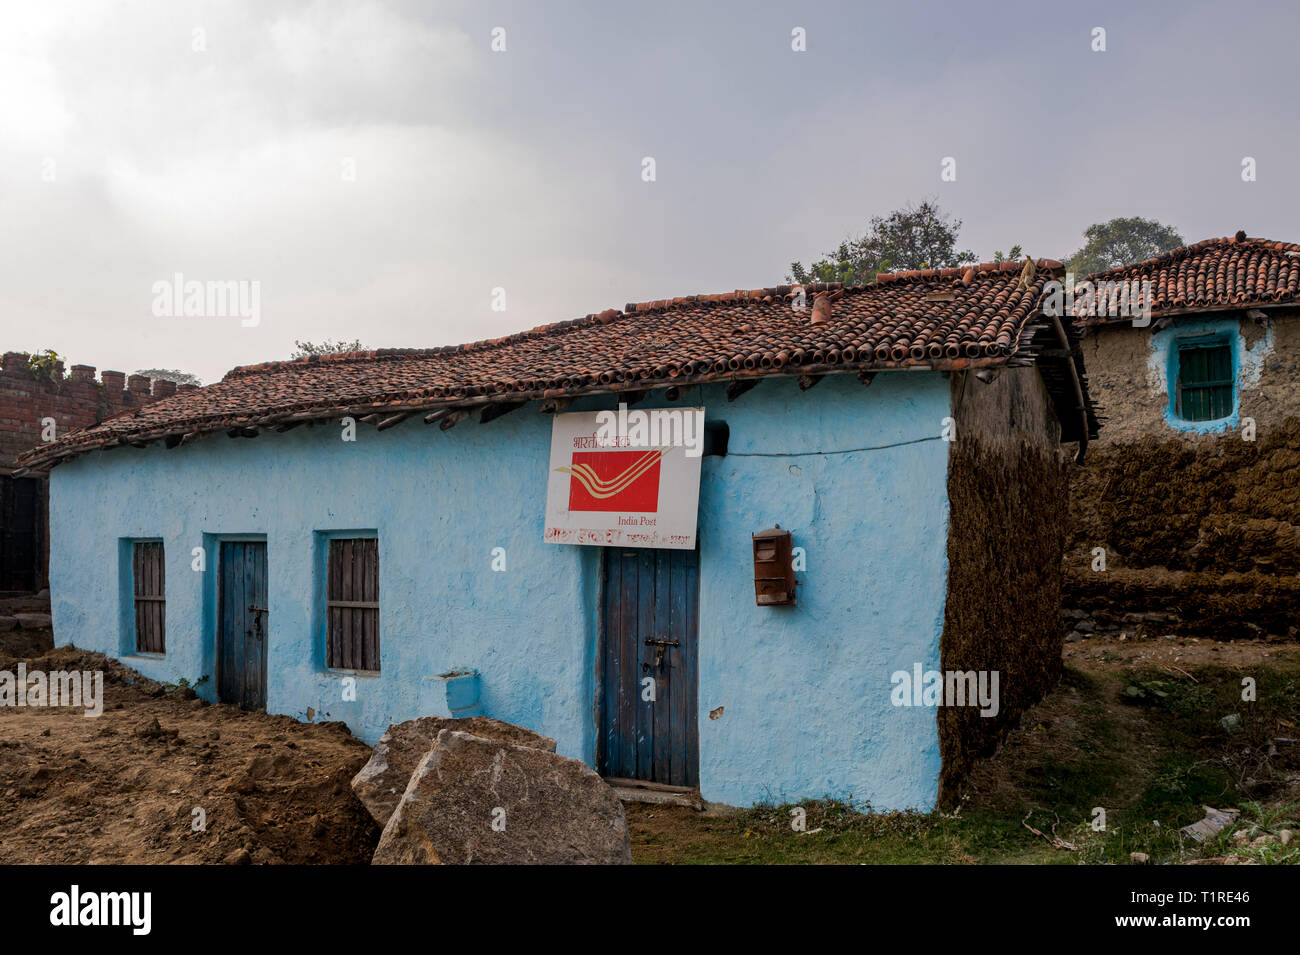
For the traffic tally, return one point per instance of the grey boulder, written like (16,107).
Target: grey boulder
(380,783)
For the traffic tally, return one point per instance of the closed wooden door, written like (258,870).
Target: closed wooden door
(242,624)
(649,728)
(19,517)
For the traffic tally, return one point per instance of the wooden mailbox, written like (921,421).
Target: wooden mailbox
(773,568)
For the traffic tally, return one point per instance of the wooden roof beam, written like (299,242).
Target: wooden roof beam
(738,386)
(393,421)
(451,417)
(497,409)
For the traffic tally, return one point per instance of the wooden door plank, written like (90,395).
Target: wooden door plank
(630,671)
(645,628)
(662,708)
(608,665)
(602,669)
(259,621)
(252,658)
(223,642)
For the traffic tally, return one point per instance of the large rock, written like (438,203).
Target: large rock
(481,801)
(382,781)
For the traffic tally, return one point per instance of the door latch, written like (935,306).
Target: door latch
(257,620)
(660,646)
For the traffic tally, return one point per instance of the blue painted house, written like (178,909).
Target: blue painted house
(303,535)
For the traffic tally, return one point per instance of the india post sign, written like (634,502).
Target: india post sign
(625,478)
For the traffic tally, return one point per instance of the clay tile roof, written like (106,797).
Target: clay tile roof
(896,323)
(1232,272)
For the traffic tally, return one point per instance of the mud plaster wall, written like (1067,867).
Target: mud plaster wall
(1128,381)
(1200,529)
(1007,498)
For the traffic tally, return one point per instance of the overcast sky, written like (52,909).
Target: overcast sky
(218,140)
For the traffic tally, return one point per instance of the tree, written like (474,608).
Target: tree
(913,237)
(326,347)
(1015,255)
(1108,245)
(170,374)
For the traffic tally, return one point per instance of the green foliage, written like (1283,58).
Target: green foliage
(326,347)
(170,374)
(44,364)
(1015,255)
(913,237)
(1122,241)
(1148,691)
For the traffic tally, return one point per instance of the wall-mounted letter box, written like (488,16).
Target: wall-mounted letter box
(773,568)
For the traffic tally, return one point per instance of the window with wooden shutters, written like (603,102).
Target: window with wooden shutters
(1205,381)
(352,604)
(150,602)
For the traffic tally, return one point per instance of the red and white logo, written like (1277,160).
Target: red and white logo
(614,480)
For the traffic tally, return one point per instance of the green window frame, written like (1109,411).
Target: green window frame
(1205,381)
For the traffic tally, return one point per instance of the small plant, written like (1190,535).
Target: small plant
(45,364)
(1147,691)
(327,347)
(195,685)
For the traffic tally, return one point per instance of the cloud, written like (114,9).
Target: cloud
(476,170)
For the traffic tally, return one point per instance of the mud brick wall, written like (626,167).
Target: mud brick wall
(1007,489)
(1201,532)
(1201,536)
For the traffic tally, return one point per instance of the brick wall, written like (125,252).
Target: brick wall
(73,400)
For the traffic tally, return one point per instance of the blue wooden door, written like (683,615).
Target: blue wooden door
(650,622)
(242,624)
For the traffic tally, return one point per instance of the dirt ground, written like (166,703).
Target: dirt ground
(125,787)
(1114,654)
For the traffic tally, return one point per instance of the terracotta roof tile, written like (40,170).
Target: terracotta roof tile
(987,319)
(1230,272)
